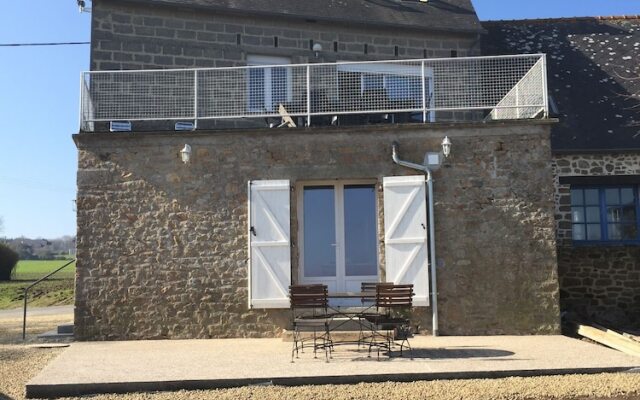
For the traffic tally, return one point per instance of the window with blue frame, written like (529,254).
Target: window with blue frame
(607,214)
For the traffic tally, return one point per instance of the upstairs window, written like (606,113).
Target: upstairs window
(396,87)
(608,214)
(268,86)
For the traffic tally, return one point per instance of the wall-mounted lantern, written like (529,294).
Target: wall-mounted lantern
(446,146)
(185,154)
(317,48)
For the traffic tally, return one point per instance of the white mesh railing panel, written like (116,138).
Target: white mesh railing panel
(493,87)
(86,104)
(372,87)
(251,91)
(526,99)
(143,95)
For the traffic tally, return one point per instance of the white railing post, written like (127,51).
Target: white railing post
(518,111)
(424,95)
(545,87)
(308,95)
(81,116)
(195,99)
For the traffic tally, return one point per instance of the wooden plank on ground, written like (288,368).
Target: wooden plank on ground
(632,337)
(610,338)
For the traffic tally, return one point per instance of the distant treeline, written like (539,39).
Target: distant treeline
(42,249)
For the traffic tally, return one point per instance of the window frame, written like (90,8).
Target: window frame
(341,278)
(603,211)
(267,64)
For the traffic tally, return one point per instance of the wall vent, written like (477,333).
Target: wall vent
(120,126)
(184,126)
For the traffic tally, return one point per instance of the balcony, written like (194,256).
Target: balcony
(343,93)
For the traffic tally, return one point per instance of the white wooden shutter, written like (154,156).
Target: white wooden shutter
(405,224)
(269,244)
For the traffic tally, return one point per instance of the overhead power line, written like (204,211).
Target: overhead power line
(42,44)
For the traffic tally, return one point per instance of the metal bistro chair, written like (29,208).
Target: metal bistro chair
(369,289)
(388,327)
(309,314)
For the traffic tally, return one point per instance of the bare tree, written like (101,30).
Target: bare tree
(632,82)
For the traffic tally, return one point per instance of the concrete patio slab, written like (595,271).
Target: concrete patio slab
(116,367)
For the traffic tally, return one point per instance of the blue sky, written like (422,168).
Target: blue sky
(39,101)
(521,9)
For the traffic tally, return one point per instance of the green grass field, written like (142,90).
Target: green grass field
(36,269)
(56,291)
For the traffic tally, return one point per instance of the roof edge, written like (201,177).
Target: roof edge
(478,30)
(563,19)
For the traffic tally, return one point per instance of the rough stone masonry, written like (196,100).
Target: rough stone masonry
(599,282)
(162,246)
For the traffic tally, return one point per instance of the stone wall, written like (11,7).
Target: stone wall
(597,282)
(126,36)
(162,246)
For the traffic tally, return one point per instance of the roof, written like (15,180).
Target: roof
(594,76)
(439,15)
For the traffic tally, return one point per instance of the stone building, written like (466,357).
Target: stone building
(594,87)
(197,233)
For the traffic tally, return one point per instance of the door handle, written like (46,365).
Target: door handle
(253,230)
(424,227)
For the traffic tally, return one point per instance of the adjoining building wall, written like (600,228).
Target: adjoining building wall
(128,36)
(162,246)
(600,282)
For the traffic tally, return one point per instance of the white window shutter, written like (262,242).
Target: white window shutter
(269,244)
(405,224)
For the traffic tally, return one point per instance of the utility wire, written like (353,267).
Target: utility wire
(36,184)
(42,44)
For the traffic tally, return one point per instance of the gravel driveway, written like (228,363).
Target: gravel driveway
(36,311)
(18,364)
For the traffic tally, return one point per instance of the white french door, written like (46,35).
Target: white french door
(338,234)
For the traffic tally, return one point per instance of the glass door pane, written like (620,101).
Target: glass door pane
(361,255)
(278,86)
(319,231)
(256,90)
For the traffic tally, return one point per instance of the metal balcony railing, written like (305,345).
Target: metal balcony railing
(428,90)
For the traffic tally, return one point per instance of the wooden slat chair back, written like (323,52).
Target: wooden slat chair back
(370,289)
(308,297)
(392,296)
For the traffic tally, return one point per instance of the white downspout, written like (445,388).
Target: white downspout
(432,240)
